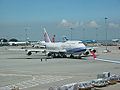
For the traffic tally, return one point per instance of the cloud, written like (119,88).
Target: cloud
(70,24)
(65,23)
(112,25)
(93,24)
(79,24)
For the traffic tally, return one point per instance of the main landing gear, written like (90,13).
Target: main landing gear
(56,55)
(62,55)
(75,57)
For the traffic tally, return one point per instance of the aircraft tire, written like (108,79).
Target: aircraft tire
(71,56)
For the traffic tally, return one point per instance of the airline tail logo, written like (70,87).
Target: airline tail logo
(65,38)
(53,39)
(46,37)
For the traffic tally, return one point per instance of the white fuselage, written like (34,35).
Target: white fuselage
(65,45)
(17,43)
(68,46)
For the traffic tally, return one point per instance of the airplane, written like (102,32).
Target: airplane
(62,49)
(17,43)
(115,40)
(86,41)
(53,39)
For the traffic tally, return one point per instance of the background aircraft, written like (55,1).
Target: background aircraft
(61,49)
(17,43)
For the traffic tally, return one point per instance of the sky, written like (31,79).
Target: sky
(83,19)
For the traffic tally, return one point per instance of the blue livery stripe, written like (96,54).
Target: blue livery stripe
(75,50)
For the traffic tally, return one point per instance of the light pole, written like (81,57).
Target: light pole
(71,32)
(106,31)
(26,35)
(83,33)
(96,34)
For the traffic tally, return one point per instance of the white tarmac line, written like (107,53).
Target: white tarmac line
(36,80)
(108,60)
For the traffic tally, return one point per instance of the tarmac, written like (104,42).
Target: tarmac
(30,73)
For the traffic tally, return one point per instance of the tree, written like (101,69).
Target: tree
(3,40)
(13,40)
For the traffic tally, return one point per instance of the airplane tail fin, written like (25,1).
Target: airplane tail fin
(65,38)
(46,36)
(53,39)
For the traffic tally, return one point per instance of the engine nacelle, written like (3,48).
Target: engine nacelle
(94,50)
(29,53)
(49,54)
(86,53)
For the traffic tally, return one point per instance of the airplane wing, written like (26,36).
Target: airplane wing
(92,50)
(88,48)
(29,51)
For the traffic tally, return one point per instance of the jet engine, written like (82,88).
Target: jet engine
(86,53)
(29,53)
(94,50)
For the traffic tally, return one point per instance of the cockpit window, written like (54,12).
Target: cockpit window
(79,42)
